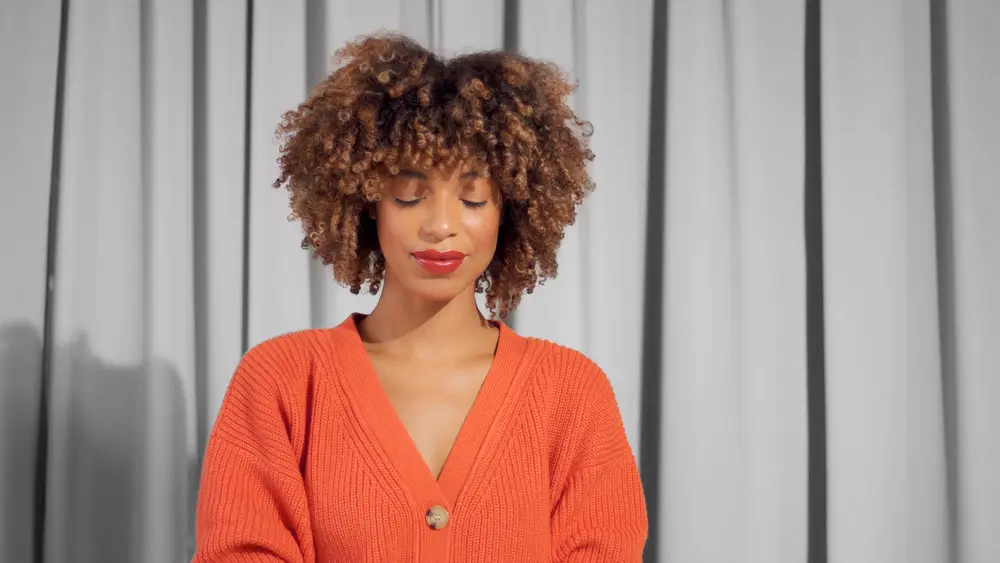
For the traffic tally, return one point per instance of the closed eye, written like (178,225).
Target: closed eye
(407,202)
(474,204)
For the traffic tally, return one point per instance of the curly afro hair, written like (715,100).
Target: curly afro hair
(390,102)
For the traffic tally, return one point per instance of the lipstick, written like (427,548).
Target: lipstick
(437,262)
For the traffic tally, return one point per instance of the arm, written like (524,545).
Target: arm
(600,513)
(251,503)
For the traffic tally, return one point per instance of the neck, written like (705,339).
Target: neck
(422,326)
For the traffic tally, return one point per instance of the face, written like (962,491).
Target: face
(438,231)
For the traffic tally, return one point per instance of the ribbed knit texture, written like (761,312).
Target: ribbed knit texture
(308,462)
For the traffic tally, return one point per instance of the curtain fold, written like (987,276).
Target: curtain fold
(734,427)
(100,327)
(857,427)
(277,303)
(883,361)
(970,133)
(220,143)
(26,156)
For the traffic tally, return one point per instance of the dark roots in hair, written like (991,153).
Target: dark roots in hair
(390,102)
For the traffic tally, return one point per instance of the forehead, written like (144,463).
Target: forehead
(463,171)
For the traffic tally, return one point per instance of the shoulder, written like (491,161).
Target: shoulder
(568,370)
(584,418)
(282,368)
(269,390)
(281,357)
(286,350)
(573,385)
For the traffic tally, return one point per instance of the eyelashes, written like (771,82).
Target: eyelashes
(406,202)
(414,202)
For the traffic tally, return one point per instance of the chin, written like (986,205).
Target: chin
(438,290)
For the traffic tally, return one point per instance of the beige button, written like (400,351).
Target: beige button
(437,517)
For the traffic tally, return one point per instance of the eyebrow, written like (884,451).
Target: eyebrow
(408,173)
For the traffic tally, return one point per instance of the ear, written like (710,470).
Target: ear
(370,208)
(501,208)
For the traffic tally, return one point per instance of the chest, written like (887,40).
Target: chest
(432,401)
(369,496)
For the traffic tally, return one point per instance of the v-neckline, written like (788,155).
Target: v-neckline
(384,421)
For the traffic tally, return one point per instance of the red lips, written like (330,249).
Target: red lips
(438,262)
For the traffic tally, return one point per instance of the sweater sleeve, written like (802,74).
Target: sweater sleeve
(252,503)
(600,514)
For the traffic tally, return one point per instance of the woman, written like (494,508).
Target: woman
(423,431)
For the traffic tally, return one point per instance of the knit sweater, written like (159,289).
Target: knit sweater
(308,462)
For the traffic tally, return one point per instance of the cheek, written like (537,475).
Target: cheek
(392,226)
(483,227)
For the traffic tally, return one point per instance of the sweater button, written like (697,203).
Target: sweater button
(437,517)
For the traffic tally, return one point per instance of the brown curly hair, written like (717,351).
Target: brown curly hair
(390,102)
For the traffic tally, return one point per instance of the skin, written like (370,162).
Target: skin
(426,338)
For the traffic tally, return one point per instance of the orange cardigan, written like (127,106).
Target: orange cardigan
(308,462)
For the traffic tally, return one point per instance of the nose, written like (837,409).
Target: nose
(441,219)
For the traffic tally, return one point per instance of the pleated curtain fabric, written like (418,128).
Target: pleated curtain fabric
(789,268)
